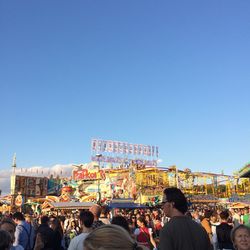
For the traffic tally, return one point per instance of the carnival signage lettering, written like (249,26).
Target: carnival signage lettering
(125,148)
(124,161)
(86,174)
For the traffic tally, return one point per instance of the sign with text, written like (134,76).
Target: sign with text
(86,174)
(125,148)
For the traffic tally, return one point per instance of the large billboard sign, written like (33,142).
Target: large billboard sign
(124,148)
(29,185)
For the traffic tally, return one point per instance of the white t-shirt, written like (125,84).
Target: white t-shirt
(77,242)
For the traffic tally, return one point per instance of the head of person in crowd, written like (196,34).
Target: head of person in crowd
(18,217)
(96,211)
(188,214)
(207,214)
(5,240)
(224,215)
(86,219)
(110,237)
(148,218)
(44,220)
(104,212)
(214,217)
(8,225)
(56,225)
(141,222)
(245,210)
(120,221)
(28,219)
(155,212)
(174,202)
(133,218)
(240,236)
(196,215)
(73,224)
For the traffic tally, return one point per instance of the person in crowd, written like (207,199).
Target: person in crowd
(149,221)
(196,216)
(157,225)
(235,217)
(214,222)
(132,223)
(55,225)
(73,229)
(96,211)
(206,223)
(86,220)
(8,225)
(240,236)
(109,237)
(66,222)
(24,233)
(246,217)
(181,232)
(121,221)
(143,234)
(39,245)
(104,215)
(155,213)
(5,240)
(223,232)
(46,234)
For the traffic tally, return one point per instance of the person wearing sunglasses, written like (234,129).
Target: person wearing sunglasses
(181,232)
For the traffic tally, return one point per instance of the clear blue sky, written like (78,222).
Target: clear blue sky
(170,73)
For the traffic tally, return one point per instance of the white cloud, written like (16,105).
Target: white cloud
(59,169)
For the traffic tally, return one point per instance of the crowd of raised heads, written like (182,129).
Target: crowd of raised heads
(171,226)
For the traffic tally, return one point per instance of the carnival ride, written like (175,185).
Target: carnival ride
(143,184)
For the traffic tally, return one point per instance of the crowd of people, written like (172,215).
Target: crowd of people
(174,226)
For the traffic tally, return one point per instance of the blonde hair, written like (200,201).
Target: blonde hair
(110,237)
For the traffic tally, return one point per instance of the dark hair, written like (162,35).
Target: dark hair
(5,240)
(105,210)
(18,216)
(8,221)
(44,219)
(142,220)
(176,196)
(208,214)
(224,215)
(87,218)
(120,221)
(157,217)
(57,225)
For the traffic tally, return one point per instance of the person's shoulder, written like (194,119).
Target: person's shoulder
(77,240)
(97,224)
(17,247)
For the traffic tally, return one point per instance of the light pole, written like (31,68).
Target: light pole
(98,180)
